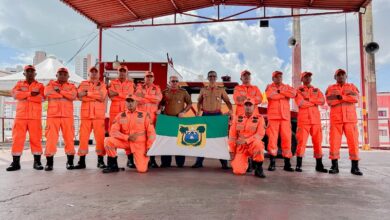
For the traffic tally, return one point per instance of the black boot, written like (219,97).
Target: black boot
(355,168)
(69,163)
(166,161)
(259,169)
(15,165)
(334,168)
(298,168)
(287,165)
(37,162)
(81,163)
(130,161)
(198,163)
(152,162)
(112,165)
(180,160)
(224,164)
(100,162)
(49,163)
(271,163)
(320,166)
(250,166)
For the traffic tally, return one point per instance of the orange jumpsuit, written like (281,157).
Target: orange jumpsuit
(252,130)
(343,119)
(92,116)
(249,92)
(149,103)
(127,123)
(118,103)
(309,119)
(28,117)
(60,116)
(278,113)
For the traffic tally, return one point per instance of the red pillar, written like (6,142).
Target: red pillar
(101,66)
(366,145)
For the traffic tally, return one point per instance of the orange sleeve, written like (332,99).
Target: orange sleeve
(352,95)
(70,95)
(301,102)
(258,96)
(19,95)
(288,91)
(50,92)
(236,95)
(260,131)
(233,136)
(156,98)
(39,98)
(123,95)
(98,95)
(331,98)
(150,132)
(317,99)
(115,130)
(118,97)
(84,87)
(272,93)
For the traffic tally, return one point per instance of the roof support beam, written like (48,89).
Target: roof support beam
(198,16)
(240,13)
(233,19)
(366,3)
(128,9)
(175,5)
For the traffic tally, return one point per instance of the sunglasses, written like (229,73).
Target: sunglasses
(174,81)
(149,76)
(212,76)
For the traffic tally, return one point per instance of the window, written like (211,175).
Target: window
(382,113)
(383,132)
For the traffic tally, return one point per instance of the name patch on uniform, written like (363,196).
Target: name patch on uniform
(192,135)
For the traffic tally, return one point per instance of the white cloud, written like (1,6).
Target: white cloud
(227,48)
(245,47)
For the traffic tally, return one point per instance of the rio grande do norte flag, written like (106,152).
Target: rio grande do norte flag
(205,136)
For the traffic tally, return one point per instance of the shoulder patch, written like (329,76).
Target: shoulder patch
(123,114)
(240,118)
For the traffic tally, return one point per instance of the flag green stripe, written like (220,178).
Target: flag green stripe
(217,126)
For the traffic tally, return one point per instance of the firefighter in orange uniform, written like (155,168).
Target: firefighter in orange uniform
(118,90)
(244,91)
(148,97)
(29,96)
(279,119)
(309,121)
(60,94)
(245,140)
(92,94)
(342,98)
(133,131)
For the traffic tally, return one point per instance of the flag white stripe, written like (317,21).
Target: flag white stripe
(216,148)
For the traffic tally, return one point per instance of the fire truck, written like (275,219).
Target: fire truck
(163,70)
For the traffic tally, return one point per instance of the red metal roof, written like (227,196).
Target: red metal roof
(106,13)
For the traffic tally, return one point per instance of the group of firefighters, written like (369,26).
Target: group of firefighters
(134,109)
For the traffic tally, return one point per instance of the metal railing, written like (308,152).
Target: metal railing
(383,127)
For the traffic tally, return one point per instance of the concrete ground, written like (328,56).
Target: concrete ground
(207,193)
